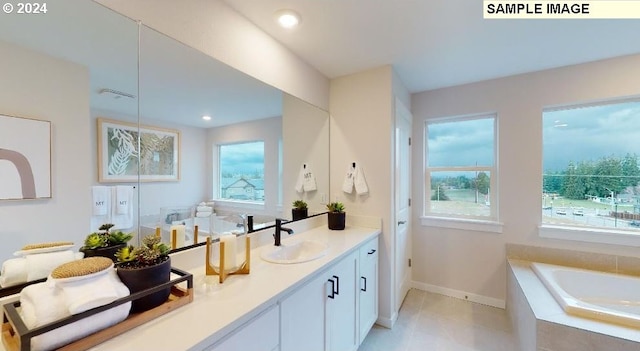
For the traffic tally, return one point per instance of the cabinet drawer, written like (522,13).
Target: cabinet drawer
(260,334)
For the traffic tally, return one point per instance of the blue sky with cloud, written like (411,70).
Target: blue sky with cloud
(244,158)
(590,133)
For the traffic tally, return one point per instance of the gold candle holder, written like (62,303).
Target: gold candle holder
(195,234)
(174,237)
(221,272)
(157,232)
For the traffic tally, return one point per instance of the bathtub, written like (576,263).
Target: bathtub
(607,297)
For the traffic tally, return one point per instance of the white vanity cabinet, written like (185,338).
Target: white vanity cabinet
(321,315)
(260,334)
(368,287)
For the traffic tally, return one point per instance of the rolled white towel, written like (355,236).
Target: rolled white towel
(89,291)
(203,208)
(14,272)
(40,265)
(44,304)
(203,214)
(41,304)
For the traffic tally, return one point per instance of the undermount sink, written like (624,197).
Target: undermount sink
(294,252)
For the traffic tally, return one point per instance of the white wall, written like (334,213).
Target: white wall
(361,131)
(41,87)
(475,261)
(192,187)
(216,29)
(268,130)
(305,134)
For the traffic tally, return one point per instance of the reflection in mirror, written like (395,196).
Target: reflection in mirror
(53,67)
(245,159)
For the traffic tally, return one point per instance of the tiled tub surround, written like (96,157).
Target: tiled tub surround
(540,324)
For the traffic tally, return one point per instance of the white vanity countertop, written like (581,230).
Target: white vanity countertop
(215,313)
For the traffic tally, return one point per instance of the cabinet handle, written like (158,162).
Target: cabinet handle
(333,285)
(371,252)
(401,222)
(365,284)
(337,285)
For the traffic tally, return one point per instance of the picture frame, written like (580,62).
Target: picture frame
(25,158)
(118,159)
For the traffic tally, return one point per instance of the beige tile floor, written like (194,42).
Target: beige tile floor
(429,321)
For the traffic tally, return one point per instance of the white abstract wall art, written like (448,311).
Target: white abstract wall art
(120,159)
(25,158)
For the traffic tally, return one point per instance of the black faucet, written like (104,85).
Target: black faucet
(279,229)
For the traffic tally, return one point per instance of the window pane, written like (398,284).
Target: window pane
(461,193)
(590,171)
(460,143)
(242,171)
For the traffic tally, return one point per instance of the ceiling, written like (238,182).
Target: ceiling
(435,43)
(176,83)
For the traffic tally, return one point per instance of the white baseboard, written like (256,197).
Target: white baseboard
(387,322)
(458,294)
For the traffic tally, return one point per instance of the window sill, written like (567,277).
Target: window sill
(591,235)
(461,223)
(249,205)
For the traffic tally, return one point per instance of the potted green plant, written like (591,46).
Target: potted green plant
(299,210)
(105,242)
(336,216)
(144,267)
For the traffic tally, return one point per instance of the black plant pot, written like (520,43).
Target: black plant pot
(109,251)
(138,279)
(336,220)
(299,213)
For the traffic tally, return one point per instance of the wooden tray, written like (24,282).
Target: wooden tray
(17,337)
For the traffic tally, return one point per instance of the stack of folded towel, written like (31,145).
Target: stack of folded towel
(203,211)
(72,288)
(36,262)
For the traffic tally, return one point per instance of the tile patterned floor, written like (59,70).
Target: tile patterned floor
(433,322)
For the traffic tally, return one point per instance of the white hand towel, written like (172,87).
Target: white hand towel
(122,221)
(101,195)
(45,304)
(87,292)
(347,185)
(40,265)
(124,196)
(14,272)
(203,214)
(300,181)
(309,183)
(360,182)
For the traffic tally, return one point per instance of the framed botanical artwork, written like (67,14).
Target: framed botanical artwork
(118,158)
(25,158)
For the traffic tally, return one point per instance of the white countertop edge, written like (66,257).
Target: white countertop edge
(198,324)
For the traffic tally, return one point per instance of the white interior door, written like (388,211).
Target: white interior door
(402,192)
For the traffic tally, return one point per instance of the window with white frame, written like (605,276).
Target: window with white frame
(591,177)
(241,167)
(460,167)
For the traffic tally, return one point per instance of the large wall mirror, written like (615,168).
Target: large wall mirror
(82,63)
(244,159)
(77,62)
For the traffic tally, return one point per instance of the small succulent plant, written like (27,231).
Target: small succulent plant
(105,238)
(299,204)
(151,252)
(335,207)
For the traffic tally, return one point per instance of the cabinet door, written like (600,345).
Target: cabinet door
(260,334)
(342,333)
(302,317)
(368,288)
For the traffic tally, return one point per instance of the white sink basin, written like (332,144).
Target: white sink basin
(295,252)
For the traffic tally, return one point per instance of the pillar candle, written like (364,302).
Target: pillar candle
(229,251)
(180,234)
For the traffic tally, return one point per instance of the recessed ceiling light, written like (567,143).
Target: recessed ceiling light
(287,18)
(206,118)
